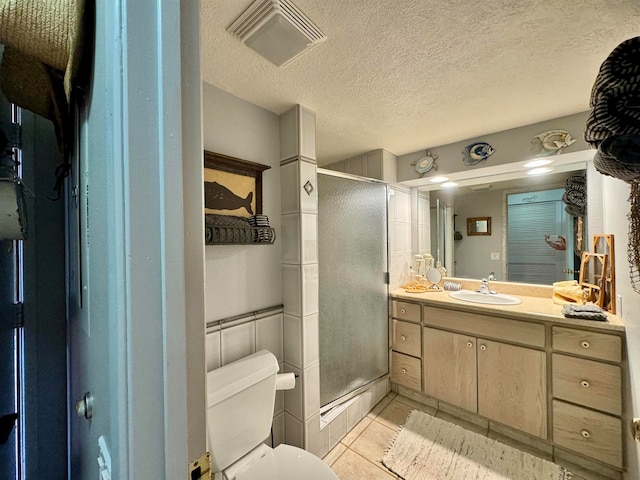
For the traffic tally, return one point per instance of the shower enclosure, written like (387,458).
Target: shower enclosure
(353,260)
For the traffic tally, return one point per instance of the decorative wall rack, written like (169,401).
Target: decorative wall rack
(230,230)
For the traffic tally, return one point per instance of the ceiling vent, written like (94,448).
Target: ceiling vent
(484,186)
(277,30)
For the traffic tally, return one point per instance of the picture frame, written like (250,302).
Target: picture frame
(232,186)
(478,226)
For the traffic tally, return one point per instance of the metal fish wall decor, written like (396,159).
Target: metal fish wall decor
(551,142)
(477,152)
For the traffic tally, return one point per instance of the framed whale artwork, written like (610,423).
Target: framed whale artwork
(232,186)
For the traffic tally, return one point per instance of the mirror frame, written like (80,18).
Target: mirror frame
(472,224)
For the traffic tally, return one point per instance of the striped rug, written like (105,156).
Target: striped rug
(427,448)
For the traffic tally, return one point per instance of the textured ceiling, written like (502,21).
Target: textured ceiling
(404,75)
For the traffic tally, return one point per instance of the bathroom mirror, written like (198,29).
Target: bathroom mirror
(479,226)
(487,245)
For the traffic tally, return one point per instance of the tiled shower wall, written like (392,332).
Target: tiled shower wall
(400,248)
(291,333)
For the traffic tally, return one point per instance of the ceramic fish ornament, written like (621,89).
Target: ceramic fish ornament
(551,142)
(476,153)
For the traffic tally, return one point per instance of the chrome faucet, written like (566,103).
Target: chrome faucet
(484,287)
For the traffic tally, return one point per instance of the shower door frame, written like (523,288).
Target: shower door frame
(347,396)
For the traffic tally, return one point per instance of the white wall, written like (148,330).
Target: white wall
(615,209)
(472,254)
(243,278)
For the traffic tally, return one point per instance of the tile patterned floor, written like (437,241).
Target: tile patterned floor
(358,456)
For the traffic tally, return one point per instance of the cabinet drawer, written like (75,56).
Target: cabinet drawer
(406,311)
(406,337)
(405,370)
(589,383)
(527,333)
(590,433)
(588,344)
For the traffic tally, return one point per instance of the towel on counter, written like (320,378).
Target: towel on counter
(588,311)
(567,292)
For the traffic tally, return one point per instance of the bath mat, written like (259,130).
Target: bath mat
(427,448)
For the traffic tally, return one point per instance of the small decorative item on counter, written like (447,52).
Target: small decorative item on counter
(568,291)
(588,311)
(452,286)
(428,261)
(441,269)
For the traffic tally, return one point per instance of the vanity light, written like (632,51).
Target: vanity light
(438,179)
(537,163)
(449,184)
(539,171)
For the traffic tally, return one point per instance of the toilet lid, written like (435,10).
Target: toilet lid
(288,463)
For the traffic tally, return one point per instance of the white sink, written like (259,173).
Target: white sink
(489,298)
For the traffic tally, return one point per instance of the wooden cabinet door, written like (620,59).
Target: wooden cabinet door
(512,386)
(449,367)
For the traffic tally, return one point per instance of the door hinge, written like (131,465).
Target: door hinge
(19,309)
(16,136)
(200,469)
(387,278)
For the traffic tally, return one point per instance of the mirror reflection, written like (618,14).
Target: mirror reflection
(536,233)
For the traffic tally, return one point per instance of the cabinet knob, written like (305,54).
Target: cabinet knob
(585,344)
(483,347)
(404,370)
(469,344)
(585,433)
(403,338)
(585,384)
(403,310)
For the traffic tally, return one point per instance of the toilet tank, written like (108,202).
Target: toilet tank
(240,400)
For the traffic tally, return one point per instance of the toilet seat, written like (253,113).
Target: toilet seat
(286,462)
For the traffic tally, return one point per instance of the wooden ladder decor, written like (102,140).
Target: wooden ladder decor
(603,243)
(592,277)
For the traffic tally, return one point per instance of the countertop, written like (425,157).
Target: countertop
(531,308)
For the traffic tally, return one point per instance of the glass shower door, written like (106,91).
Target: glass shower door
(352,250)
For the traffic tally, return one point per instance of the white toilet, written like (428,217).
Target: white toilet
(240,400)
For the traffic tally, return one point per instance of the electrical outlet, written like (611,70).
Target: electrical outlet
(495,255)
(636,429)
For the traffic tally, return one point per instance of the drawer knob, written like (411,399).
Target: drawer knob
(469,344)
(483,347)
(585,433)
(585,344)
(404,370)
(403,338)
(585,384)
(403,310)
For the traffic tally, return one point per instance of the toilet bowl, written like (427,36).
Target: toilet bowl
(284,462)
(240,401)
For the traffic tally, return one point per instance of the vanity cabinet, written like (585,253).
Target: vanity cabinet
(502,382)
(559,384)
(512,386)
(587,393)
(406,345)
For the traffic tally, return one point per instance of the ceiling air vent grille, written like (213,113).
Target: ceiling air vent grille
(277,30)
